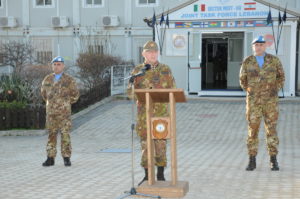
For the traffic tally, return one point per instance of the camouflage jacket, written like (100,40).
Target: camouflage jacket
(158,77)
(262,83)
(59,95)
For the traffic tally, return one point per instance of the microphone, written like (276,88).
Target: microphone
(141,73)
(146,67)
(143,70)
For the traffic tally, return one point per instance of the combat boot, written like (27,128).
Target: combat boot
(48,162)
(160,174)
(145,178)
(274,163)
(252,163)
(67,161)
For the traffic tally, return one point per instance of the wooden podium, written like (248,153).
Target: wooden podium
(162,128)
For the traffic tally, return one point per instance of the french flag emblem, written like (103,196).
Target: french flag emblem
(250,6)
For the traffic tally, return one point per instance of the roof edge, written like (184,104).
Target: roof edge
(273,5)
(174,9)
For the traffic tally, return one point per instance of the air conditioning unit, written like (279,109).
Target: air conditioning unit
(60,21)
(8,22)
(110,20)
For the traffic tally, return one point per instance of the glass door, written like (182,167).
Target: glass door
(214,62)
(222,56)
(248,43)
(194,61)
(235,58)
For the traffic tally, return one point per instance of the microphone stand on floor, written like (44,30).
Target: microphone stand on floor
(133,191)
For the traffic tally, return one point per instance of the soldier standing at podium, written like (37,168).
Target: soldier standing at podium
(158,76)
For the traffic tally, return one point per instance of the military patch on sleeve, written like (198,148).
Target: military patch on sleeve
(47,84)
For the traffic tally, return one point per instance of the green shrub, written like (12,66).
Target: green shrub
(13,105)
(13,88)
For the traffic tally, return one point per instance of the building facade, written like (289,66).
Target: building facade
(67,27)
(208,40)
(204,44)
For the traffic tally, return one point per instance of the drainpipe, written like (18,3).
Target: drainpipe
(6,9)
(188,62)
(297,58)
(57,13)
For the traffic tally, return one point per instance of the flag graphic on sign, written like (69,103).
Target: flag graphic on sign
(250,6)
(204,25)
(195,8)
(202,7)
(231,24)
(187,24)
(260,23)
(224,24)
(240,23)
(214,24)
(249,23)
(179,25)
(196,24)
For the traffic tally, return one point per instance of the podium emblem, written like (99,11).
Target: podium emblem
(160,128)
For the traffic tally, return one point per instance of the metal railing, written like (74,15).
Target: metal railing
(118,73)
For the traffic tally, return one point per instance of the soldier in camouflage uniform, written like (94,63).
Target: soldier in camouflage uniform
(261,76)
(158,76)
(59,91)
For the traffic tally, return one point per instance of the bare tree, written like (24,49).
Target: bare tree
(17,54)
(95,58)
(33,75)
(94,68)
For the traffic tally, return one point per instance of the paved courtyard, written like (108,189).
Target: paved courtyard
(212,155)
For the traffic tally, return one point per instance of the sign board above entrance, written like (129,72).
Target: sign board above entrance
(223,9)
(222,24)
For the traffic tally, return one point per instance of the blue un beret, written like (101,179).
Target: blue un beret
(57,59)
(259,39)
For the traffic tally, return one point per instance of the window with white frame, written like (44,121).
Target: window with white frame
(43,49)
(97,49)
(141,59)
(2,58)
(43,3)
(44,57)
(93,3)
(146,3)
(2,52)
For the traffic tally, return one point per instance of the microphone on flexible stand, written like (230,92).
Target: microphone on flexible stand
(146,67)
(141,73)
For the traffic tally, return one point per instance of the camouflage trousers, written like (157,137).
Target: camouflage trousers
(54,126)
(255,113)
(160,150)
